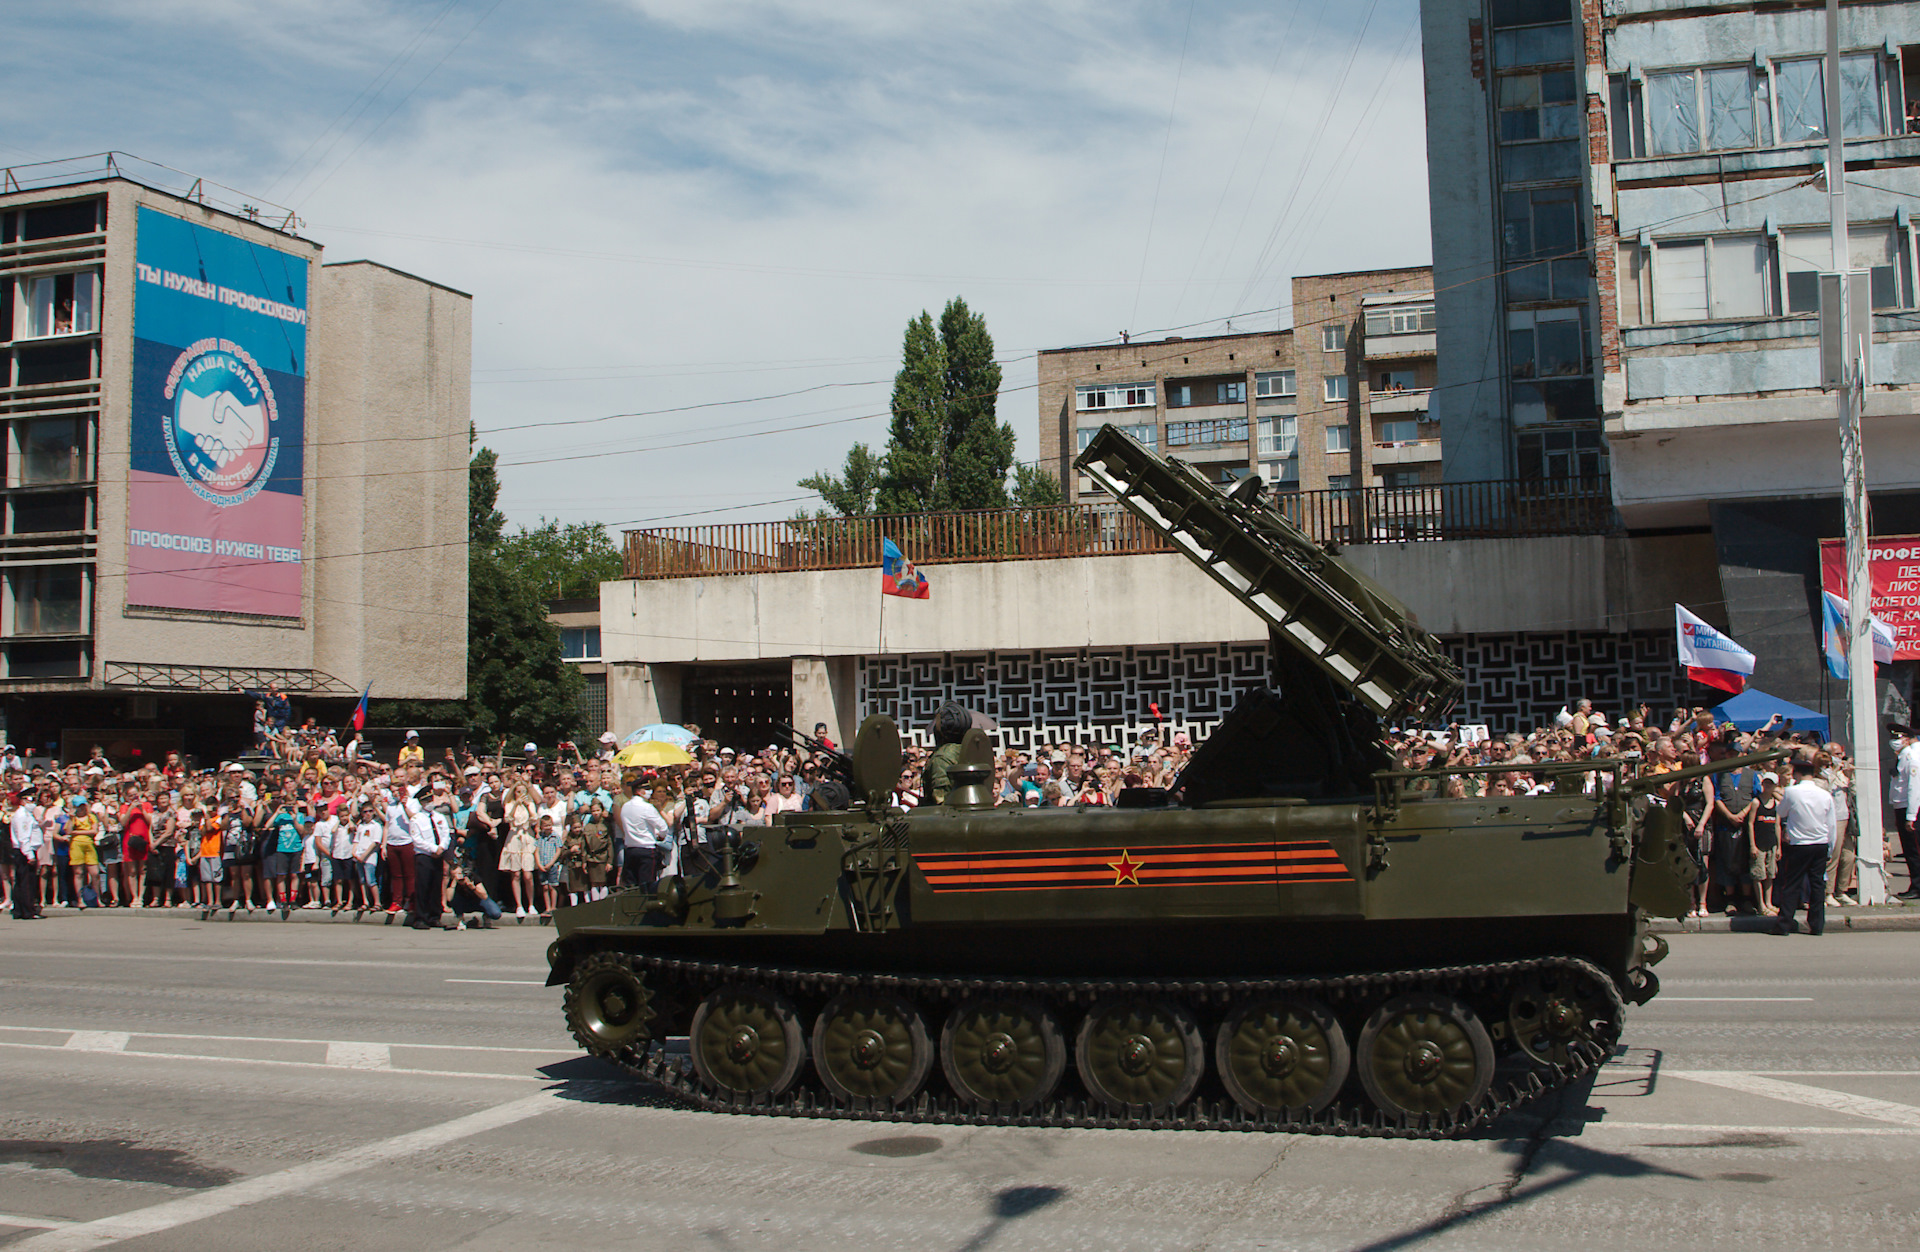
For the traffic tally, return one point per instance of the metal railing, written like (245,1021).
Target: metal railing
(1433,511)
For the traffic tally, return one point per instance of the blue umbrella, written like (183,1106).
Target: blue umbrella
(661,732)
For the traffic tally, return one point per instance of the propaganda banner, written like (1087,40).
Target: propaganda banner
(1893,567)
(216,519)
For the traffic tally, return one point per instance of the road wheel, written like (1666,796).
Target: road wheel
(871,1047)
(1139,1054)
(1282,1056)
(1554,1010)
(1008,1053)
(746,1041)
(1425,1054)
(609,1009)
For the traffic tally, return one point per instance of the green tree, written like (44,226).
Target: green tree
(484,520)
(562,562)
(1035,488)
(946,447)
(852,492)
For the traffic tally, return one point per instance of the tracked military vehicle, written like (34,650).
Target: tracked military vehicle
(1294,936)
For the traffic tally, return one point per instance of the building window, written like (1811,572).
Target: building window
(1336,386)
(1709,278)
(52,450)
(1710,109)
(1732,101)
(1148,434)
(1806,254)
(1277,437)
(1539,106)
(1231,393)
(1397,380)
(47,600)
(1179,397)
(1398,432)
(1626,113)
(1274,385)
(1562,454)
(1400,478)
(1223,430)
(1339,438)
(1545,225)
(1546,343)
(1401,320)
(579,643)
(59,304)
(1118,396)
(1333,338)
(1281,475)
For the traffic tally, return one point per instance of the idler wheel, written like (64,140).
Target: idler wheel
(1553,1010)
(1282,1056)
(1425,1054)
(1008,1053)
(746,1041)
(1139,1054)
(871,1047)
(608,1007)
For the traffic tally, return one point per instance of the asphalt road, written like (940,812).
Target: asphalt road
(167,1083)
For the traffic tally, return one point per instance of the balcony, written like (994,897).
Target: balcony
(1410,452)
(1391,347)
(1501,509)
(1414,401)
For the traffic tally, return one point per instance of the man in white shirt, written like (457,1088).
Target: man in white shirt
(432,835)
(27,836)
(645,835)
(400,879)
(1807,831)
(1900,794)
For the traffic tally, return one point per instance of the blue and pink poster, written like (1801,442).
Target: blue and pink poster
(216,521)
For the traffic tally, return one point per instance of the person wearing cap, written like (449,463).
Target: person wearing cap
(411,753)
(608,742)
(1806,827)
(27,835)
(432,828)
(1763,831)
(645,836)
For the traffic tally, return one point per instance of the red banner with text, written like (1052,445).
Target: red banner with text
(1893,565)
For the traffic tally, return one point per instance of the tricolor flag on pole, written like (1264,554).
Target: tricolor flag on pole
(360,712)
(1711,657)
(897,575)
(1834,636)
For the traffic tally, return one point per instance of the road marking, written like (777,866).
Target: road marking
(98,1040)
(1697,1128)
(507,982)
(83,1236)
(360,1055)
(1800,1093)
(1731,1000)
(159,1034)
(33,1223)
(259,1060)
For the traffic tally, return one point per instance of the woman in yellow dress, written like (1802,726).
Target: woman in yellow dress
(83,854)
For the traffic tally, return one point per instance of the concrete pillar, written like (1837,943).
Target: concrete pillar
(639,694)
(824,691)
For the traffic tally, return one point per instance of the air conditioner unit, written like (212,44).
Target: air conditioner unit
(142,708)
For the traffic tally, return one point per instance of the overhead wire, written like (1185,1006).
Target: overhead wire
(1159,178)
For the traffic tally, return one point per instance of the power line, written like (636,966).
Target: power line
(1166,143)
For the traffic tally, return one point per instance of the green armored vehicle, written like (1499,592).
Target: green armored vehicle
(1294,936)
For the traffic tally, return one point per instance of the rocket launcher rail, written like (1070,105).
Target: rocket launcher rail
(1364,639)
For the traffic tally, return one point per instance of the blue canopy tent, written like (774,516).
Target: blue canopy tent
(1750,710)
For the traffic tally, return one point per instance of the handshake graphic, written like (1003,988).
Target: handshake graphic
(221,426)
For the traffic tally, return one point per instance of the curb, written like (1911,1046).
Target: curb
(308,916)
(1891,917)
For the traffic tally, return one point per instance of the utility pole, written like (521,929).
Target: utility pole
(1850,350)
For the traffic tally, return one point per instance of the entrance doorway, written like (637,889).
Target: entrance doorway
(739,705)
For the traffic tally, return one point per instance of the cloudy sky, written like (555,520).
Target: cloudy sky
(714,217)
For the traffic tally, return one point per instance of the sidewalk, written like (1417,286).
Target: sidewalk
(344,918)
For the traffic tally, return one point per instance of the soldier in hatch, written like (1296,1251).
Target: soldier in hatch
(950,725)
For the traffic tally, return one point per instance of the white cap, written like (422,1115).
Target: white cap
(413,734)
(607,737)
(94,771)
(471,769)
(532,747)
(235,767)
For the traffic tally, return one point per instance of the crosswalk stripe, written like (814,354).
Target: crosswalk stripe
(1800,1093)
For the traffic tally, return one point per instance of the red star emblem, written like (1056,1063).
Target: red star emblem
(1126,869)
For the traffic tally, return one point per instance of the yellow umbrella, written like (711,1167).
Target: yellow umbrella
(651,752)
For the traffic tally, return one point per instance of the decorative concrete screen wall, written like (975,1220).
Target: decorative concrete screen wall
(1102,695)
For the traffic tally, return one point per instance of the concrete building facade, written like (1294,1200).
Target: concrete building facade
(1338,401)
(166,541)
(1629,214)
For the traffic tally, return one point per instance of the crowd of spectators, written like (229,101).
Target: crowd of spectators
(315,822)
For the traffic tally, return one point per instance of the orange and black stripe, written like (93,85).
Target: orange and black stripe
(1165,865)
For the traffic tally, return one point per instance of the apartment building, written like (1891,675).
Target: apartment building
(1336,402)
(228,465)
(1629,217)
